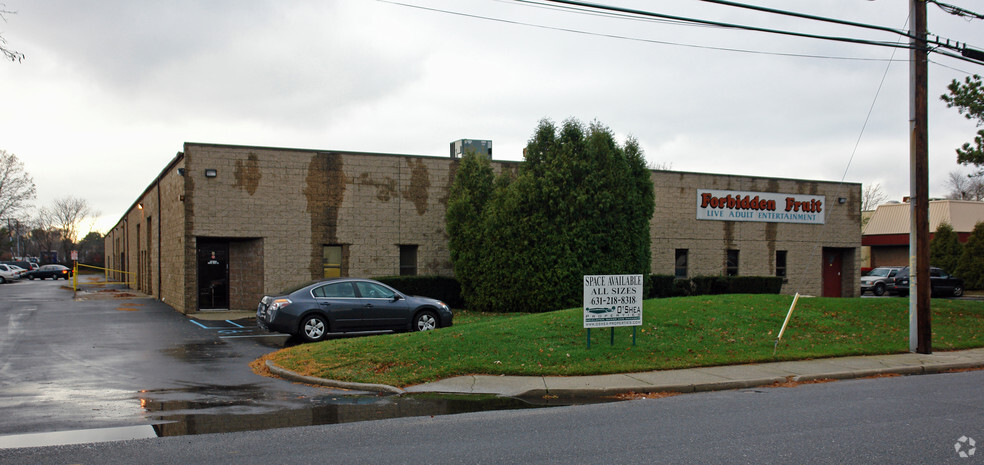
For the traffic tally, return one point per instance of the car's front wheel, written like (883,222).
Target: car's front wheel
(314,328)
(424,321)
(879,289)
(958,290)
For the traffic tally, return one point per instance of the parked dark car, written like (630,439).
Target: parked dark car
(941,283)
(314,309)
(879,280)
(50,271)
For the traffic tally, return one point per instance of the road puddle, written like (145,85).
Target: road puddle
(229,409)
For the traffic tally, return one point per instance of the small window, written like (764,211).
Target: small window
(374,291)
(781,263)
(332,261)
(680,263)
(334,290)
(731,269)
(408,260)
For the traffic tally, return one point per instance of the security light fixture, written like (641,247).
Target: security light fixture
(841,200)
(139,206)
(211,173)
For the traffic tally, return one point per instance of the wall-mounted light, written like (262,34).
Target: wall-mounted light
(139,206)
(211,173)
(841,200)
(181,171)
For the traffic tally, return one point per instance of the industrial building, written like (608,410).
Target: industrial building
(222,225)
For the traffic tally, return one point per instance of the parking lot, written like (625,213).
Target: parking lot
(117,361)
(114,365)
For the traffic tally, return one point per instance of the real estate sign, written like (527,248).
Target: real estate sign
(771,207)
(612,300)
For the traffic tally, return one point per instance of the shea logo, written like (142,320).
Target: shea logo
(760,206)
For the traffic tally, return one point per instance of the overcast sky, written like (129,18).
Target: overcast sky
(111,89)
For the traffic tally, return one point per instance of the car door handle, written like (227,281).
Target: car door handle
(368,305)
(324,304)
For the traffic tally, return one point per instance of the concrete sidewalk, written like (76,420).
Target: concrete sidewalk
(709,378)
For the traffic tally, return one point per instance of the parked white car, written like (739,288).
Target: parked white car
(10,273)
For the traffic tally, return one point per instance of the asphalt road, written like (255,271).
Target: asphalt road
(915,419)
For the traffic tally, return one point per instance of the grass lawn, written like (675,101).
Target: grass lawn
(676,333)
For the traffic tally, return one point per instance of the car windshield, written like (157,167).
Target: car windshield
(880,272)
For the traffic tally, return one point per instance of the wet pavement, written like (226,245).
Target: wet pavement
(118,366)
(114,365)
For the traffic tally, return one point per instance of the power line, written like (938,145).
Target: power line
(624,37)
(956,11)
(966,53)
(653,14)
(584,8)
(901,32)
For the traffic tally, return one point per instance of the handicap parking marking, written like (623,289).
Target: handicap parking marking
(233,329)
(230,322)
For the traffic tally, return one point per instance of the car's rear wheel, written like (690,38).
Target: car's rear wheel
(958,290)
(314,328)
(2,280)
(879,289)
(424,321)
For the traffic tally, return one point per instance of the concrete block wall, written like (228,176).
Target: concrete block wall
(278,207)
(675,226)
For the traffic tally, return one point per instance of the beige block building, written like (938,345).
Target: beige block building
(222,225)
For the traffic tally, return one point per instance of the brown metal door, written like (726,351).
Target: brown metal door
(833,270)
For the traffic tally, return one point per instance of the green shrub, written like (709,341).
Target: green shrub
(442,288)
(970,267)
(660,285)
(579,205)
(667,286)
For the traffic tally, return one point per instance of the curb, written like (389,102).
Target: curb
(724,385)
(290,375)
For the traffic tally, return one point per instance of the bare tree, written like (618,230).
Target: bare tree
(44,236)
(11,55)
(68,214)
(16,186)
(965,186)
(872,196)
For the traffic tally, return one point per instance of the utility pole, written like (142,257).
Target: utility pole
(920,316)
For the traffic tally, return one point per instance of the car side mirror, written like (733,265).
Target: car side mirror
(397,297)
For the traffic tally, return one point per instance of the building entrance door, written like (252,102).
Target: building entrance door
(213,275)
(833,270)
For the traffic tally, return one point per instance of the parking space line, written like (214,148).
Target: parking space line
(235,324)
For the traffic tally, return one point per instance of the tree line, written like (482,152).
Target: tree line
(47,232)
